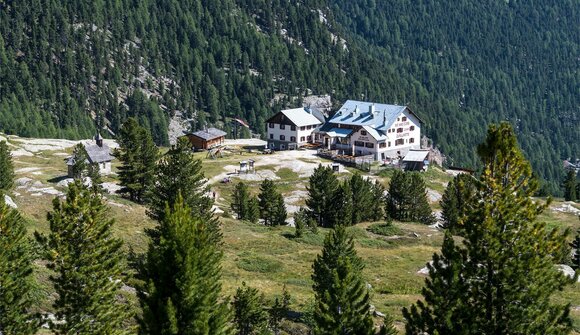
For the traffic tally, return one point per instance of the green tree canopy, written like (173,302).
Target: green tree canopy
(138,155)
(181,272)
(6,167)
(88,265)
(322,187)
(18,291)
(501,278)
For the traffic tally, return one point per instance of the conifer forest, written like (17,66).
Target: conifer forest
(111,224)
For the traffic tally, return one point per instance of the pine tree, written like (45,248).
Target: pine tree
(81,161)
(182,274)
(500,280)
(362,198)
(272,208)
(280,214)
(377,211)
(179,172)
(419,209)
(300,221)
(138,155)
(575,245)
(279,311)
(17,286)
(407,198)
(321,190)
(454,201)
(342,299)
(88,265)
(442,293)
(6,167)
(253,210)
(240,200)
(342,206)
(570,186)
(396,201)
(250,316)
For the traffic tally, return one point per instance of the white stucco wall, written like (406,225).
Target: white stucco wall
(288,132)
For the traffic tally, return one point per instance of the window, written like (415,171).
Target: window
(388,131)
(302,128)
(369,145)
(399,141)
(389,144)
(292,128)
(359,143)
(382,145)
(363,132)
(308,127)
(282,126)
(282,138)
(399,130)
(404,119)
(412,128)
(411,140)
(271,125)
(398,119)
(271,136)
(316,137)
(309,138)
(292,138)
(302,138)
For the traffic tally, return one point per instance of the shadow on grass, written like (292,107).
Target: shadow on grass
(56,180)
(306,238)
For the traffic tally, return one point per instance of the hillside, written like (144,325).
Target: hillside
(264,257)
(66,66)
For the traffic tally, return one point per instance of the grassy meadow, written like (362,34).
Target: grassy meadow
(269,258)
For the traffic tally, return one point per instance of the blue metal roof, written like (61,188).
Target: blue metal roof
(360,113)
(339,132)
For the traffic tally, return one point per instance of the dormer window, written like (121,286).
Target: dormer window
(404,118)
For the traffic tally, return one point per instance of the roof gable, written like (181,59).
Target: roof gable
(98,154)
(209,134)
(361,113)
(300,117)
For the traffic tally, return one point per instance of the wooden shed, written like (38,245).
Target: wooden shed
(416,160)
(206,139)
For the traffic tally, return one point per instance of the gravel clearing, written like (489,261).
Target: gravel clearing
(302,162)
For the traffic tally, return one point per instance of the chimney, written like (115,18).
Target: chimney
(385,119)
(372,109)
(355,111)
(99,139)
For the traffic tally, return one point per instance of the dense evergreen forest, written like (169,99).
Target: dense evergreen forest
(66,66)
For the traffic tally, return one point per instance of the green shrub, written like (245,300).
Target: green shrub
(259,264)
(385,229)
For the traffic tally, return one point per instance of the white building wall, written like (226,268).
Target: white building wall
(105,168)
(288,133)
(411,135)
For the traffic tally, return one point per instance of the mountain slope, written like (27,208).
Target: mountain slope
(68,65)
(476,62)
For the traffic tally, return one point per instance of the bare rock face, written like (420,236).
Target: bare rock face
(177,126)
(434,154)
(567,270)
(8,200)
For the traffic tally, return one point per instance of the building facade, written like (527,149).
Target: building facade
(291,128)
(207,138)
(98,154)
(365,128)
